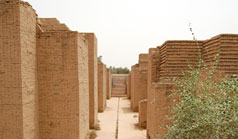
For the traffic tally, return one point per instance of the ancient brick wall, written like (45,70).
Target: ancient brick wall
(139,81)
(226,46)
(109,83)
(143,113)
(63,85)
(119,85)
(83,86)
(93,78)
(102,85)
(52,24)
(176,56)
(153,65)
(143,62)
(134,70)
(18,91)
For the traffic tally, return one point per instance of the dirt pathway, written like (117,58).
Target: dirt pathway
(119,122)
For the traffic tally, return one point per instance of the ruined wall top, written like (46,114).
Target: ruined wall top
(14,2)
(51,25)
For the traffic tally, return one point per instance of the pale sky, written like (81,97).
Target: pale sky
(126,28)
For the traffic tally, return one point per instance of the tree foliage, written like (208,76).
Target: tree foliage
(119,70)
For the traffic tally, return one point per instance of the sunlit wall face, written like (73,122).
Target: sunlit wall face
(125,28)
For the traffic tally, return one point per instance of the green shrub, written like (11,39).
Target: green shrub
(207,106)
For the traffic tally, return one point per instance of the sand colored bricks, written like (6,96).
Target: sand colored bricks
(102,87)
(52,24)
(18,83)
(143,62)
(142,113)
(153,66)
(119,85)
(139,81)
(223,48)
(63,84)
(109,83)
(173,57)
(176,56)
(93,78)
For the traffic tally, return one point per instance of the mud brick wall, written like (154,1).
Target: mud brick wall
(102,87)
(143,113)
(139,87)
(129,86)
(52,24)
(226,45)
(109,83)
(134,70)
(161,107)
(83,86)
(119,85)
(18,91)
(139,81)
(143,62)
(93,78)
(153,64)
(176,56)
(63,85)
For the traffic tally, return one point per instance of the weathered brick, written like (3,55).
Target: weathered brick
(102,87)
(62,63)
(18,83)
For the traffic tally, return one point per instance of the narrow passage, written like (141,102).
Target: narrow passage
(118,110)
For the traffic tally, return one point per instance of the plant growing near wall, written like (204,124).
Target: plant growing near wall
(207,106)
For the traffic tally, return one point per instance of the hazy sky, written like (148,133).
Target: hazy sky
(126,28)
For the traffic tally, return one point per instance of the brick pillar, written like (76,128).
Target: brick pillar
(102,94)
(63,85)
(93,79)
(18,91)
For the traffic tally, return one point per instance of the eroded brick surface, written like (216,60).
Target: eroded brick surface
(63,85)
(18,91)
(119,85)
(93,78)
(102,87)
(173,57)
(143,113)
(139,81)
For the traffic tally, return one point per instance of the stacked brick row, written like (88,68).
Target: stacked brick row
(177,56)
(222,49)
(48,76)
(170,60)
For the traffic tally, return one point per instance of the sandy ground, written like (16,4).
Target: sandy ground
(118,109)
